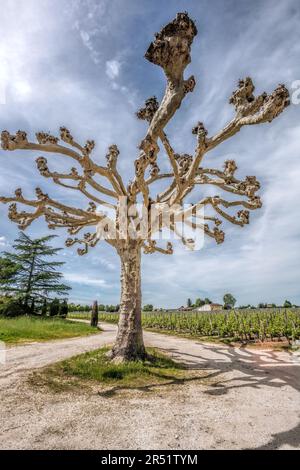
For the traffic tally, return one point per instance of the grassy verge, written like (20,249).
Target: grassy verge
(28,329)
(95,367)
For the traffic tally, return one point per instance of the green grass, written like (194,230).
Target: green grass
(95,366)
(80,315)
(28,329)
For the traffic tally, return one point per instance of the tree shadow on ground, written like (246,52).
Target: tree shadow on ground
(290,438)
(255,369)
(169,380)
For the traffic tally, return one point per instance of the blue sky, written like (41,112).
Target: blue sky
(80,63)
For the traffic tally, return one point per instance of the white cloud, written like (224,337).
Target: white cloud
(97,260)
(85,280)
(21,90)
(88,43)
(88,16)
(113,69)
(2,241)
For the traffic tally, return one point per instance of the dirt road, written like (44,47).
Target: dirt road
(239,399)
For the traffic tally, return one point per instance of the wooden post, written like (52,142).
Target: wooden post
(94,317)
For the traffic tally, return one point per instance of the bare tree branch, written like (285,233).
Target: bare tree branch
(251,110)
(171,51)
(56,214)
(150,247)
(49,143)
(89,241)
(42,165)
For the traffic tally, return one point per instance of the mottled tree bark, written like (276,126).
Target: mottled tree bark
(129,343)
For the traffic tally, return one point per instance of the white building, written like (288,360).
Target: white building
(210,307)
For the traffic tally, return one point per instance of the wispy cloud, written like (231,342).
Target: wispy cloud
(113,69)
(88,43)
(85,280)
(100,261)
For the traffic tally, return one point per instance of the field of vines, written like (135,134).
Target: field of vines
(240,325)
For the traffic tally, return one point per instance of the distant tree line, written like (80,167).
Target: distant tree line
(229,302)
(87,308)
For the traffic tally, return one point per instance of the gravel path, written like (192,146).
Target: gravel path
(22,359)
(237,398)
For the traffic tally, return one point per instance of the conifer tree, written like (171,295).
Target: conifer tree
(44,308)
(54,308)
(8,270)
(64,309)
(34,276)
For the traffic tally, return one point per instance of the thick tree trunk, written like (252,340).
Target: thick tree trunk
(129,343)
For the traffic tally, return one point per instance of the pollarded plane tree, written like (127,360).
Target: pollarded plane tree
(171,51)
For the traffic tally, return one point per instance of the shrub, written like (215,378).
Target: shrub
(199,302)
(44,308)
(3,301)
(262,305)
(112,308)
(64,309)
(148,308)
(54,308)
(12,309)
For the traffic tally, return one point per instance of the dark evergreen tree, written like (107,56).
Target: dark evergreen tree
(54,308)
(33,275)
(63,309)
(32,306)
(44,308)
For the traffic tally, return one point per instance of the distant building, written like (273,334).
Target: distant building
(209,308)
